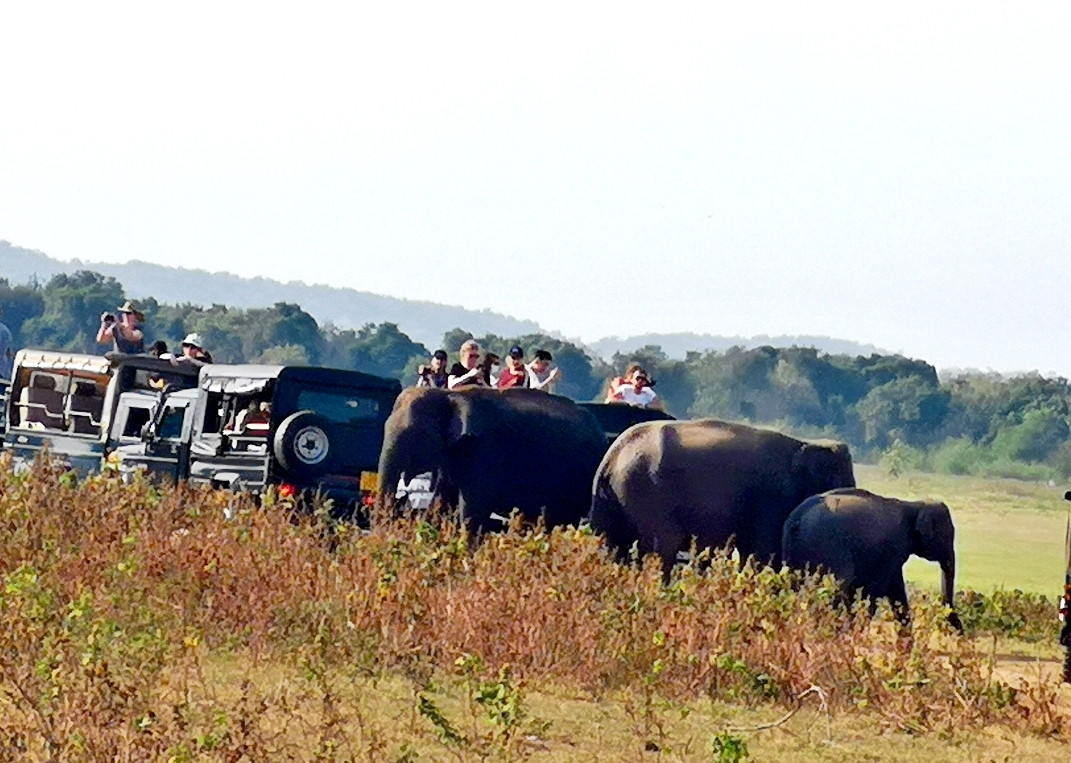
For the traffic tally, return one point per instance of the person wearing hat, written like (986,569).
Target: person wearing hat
(193,349)
(123,332)
(434,374)
(514,375)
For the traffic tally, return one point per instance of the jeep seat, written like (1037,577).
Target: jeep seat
(84,408)
(40,405)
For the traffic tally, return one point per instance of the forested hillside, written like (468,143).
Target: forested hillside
(888,407)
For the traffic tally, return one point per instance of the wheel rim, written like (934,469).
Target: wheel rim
(311,445)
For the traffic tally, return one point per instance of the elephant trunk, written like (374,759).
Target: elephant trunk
(948,590)
(389,473)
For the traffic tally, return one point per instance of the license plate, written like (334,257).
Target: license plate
(370,481)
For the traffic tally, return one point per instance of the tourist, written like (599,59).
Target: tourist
(123,332)
(515,374)
(434,374)
(467,372)
(541,375)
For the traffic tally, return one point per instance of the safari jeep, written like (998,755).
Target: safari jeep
(67,403)
(309,431)
(615,418)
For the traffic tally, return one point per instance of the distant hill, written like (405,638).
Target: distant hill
(426,322)
(678,345)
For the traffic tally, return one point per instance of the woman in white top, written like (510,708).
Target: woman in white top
(637,392)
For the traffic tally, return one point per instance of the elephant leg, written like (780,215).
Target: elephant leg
(473,510)
(667,543)
(897,595)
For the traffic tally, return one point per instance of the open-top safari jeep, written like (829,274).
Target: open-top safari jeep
(69,405)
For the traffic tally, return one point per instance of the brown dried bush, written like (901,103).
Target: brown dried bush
(117,598)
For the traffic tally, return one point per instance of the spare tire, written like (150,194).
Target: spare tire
(303,444)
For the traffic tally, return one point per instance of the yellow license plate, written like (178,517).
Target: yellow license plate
(370,482)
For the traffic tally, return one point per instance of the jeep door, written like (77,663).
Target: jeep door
(148,439)
(221,452)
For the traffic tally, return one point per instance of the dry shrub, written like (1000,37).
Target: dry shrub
(116,596)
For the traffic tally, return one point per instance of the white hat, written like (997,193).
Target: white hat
(194,340)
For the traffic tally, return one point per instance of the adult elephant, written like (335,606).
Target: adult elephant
(493,451)
(864,540)
(663,483)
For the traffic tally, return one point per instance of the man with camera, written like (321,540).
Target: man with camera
(433,375)
(123,332)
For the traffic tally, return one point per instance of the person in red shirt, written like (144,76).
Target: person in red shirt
(514,375)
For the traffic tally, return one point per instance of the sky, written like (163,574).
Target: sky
(897,174)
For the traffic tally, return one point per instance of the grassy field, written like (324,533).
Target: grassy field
(1009,533)
(139,623)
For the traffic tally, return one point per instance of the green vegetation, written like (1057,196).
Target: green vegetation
(140,623)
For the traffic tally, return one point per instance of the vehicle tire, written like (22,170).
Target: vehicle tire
(1067,665)
(303,444)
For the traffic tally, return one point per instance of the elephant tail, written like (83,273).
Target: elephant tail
(608,516)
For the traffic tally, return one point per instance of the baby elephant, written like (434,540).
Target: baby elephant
(864,540)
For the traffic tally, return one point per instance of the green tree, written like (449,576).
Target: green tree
(20,304)
(905,408)
(1037,437)
(72,308)
(383,350)
(289,325)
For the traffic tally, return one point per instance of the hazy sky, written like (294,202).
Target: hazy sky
(896,174)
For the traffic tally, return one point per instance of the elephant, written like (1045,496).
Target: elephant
(492,451)
(864,540)
(663,483)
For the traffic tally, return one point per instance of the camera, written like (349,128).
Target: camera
(107,318)
(423,371)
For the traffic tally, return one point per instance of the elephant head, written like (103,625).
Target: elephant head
(933,538)
(821,466)
(425,428)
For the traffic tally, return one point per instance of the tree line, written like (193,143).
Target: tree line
(884,406)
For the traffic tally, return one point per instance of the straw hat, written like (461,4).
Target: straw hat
(130,307)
